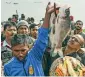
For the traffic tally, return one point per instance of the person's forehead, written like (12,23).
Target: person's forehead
(11,27)
(36,27)
(79,22)
(19,46)
(79,38)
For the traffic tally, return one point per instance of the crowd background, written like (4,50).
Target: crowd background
(22,6)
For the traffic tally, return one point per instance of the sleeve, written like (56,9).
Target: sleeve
(40,44)
(6,71)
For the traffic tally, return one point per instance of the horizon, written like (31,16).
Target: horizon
(36,9)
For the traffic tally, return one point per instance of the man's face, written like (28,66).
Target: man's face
(20,51)
(34,32)
(74,42)
(23,30)
(78,25)
(10,31)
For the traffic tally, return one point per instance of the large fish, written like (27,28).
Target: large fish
(60,28)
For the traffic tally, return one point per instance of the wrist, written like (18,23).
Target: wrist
(46,20)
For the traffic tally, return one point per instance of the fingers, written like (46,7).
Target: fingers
(49,3)
(55,9)
(50,8)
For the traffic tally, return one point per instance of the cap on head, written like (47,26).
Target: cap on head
(22,22)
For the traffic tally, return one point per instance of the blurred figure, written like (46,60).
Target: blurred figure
(22,17)
(2,33)
(41,22)
(72,23)
(32,20)
(78,27)
(9,19)
(28,20)
(14,18)
(9,31)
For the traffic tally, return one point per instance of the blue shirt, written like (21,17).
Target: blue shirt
(32,64)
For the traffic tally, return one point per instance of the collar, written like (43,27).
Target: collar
(6,44)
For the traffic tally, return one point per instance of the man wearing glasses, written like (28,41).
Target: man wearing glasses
(73,48)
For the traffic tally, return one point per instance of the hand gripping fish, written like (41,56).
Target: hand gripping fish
(59,28)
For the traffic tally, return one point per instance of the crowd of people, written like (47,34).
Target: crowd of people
(25,50)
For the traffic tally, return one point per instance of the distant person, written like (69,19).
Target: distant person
(22,17)
(72,23)
(9,19)
(32,20)
(14,19)
(28,20)
(23,27)
(33,30)
(9,31)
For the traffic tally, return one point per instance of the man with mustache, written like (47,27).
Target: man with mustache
(9,31)
(79,28)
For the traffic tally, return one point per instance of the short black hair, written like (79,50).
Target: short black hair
(21,39)
(13,15)
(79,21)
(32,26)
(32,19)
(9,24)
(9,19)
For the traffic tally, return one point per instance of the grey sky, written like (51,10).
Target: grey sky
(36,8)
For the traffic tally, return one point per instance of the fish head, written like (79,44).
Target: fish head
(64,11)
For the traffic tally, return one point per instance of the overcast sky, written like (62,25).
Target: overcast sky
(36,8)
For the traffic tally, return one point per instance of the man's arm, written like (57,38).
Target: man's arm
(42,40)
